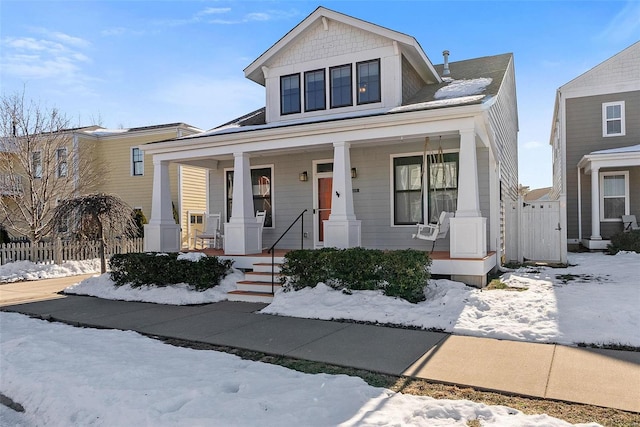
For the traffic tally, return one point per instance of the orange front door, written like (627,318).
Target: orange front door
(325,186)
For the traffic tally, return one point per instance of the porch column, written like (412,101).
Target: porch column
(342,229)
(161,234)
(595,203)
(242,234)
(468,228)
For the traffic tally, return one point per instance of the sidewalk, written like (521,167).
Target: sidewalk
(606,378)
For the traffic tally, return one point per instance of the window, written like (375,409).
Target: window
(261,183)
(407,179)
(368,74)
(443,184)
(614,195)
(314,91)
(613,119)
(442,180)
(61,160)
(290,94)
(137,162)
(341,94)
(36,164)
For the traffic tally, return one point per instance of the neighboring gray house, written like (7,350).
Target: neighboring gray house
(363,131)
(596,149)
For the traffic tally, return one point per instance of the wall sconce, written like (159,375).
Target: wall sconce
(354,173)
(303,176)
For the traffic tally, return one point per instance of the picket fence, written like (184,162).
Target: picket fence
(59,251)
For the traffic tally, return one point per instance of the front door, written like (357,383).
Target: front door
(323,185)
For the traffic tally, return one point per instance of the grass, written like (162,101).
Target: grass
(570,412)
(497,284)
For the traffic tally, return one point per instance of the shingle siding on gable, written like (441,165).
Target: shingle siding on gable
(411,80)
(339,39)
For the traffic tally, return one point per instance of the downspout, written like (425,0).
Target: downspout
(76,165)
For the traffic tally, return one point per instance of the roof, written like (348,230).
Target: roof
(479,80)
(108,132)
(630,149)
(538,194)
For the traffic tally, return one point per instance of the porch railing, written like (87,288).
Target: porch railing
(272,250)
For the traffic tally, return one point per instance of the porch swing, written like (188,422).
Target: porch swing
(438,229)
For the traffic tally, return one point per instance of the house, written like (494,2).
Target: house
(363,132)
(595,137)
(537,195)
(123,168)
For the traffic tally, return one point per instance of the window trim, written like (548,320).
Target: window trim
(601,197)
(350,104)
(227,214)
(358,102)
(324,90)
(605,121)
(299,110)
(60,161)
(133,161)
(392,192)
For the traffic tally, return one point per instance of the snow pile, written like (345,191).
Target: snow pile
(179,294)
(460,88)
(27,270)
(75,376)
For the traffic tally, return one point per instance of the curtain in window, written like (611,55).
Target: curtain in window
(613,193)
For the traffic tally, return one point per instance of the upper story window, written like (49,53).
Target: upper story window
(61,160)
(314,91)
(290,94)
(341,93)
(613,119)
(368,76)
(36,164)
(137,162)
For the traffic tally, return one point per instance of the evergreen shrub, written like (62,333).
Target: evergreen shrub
(625,241)
(163,269)
(401,273)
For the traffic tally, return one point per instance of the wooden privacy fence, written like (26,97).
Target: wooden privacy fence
(59,251)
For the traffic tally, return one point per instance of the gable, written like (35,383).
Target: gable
(327,39)
(621,68)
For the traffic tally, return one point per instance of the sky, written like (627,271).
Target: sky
(131,63)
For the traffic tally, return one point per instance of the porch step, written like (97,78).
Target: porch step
(246,296)
(255,286)
(265,267)
(259,276)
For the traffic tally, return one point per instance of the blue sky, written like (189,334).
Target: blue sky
(134,63)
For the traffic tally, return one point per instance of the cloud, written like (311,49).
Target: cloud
(56,56)
(211,15)
(532,145)
(625,26)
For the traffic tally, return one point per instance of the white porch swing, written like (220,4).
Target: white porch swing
(439,229)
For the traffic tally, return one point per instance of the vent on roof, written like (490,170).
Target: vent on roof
(445,71)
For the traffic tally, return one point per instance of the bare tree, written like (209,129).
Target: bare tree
(41,163)
(96,217)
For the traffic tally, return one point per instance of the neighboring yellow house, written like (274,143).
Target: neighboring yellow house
(128,173)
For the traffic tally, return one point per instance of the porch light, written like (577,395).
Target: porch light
(354,173)
(303,176)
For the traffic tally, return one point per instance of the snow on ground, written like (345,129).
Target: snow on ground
(26,270)
(65,376)
(597,304)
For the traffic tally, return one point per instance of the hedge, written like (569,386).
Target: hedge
(625,241)
(163,269)
(401,273)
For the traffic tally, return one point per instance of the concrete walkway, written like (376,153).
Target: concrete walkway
(599,377)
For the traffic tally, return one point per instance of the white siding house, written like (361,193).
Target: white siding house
(363,131)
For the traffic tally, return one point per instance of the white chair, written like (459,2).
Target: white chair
(211,232)
(629,223)
(433,232)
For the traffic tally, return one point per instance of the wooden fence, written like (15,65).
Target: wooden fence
(60,251)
